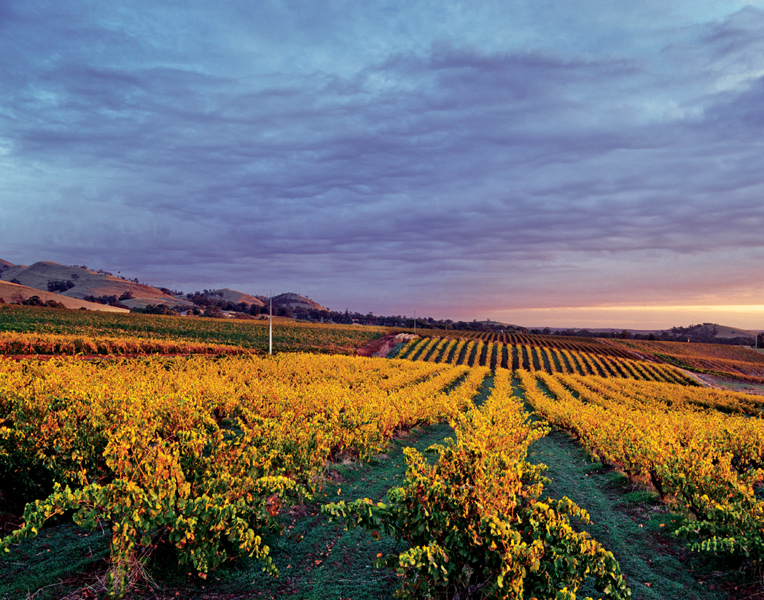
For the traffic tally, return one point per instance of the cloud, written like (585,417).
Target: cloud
(171,143)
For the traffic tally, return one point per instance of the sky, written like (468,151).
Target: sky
(536,162)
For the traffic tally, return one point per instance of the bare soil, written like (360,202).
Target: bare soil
(381,347)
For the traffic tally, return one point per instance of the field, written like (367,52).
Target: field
(543,354)
(727,362)
(159,457)
(289,336)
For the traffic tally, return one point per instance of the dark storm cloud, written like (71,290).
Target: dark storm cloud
(138,141)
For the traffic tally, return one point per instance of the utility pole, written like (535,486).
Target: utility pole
(270,324)
(414,322)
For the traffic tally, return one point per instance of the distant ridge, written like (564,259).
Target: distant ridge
(78,282)
(703,333)
(11,292)
(236,297)
(292,300)
(51,280)
(499,324)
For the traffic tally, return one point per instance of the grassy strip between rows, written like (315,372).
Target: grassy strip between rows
(630,523)
(633,524)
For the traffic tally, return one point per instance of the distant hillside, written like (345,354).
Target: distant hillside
(292,300)
(78,282)
(236,297)
(498,325)
(733,332)
(710,333)
(12,292)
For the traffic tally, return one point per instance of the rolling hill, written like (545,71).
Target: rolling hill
(79,283)
(237,297)
(51,280)
(292,300)
(10,292)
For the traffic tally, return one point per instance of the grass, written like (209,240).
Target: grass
(60,559)
(748,388)
(631,523)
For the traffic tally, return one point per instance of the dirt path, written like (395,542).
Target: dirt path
(383,346)
(703,380)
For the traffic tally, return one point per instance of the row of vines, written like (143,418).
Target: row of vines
(700,449)
(535,358)
(532,340)
(199,455)
(476,521)
(24,344)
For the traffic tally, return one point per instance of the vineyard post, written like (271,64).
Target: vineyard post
(270,324)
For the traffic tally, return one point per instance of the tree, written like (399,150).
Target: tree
(57,285)
(214,312)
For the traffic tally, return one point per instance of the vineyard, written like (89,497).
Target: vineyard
(700,449)
(154,448)
(200,457)
(731,362)
(196,454)
(566,357)
(589,345)
(289,336)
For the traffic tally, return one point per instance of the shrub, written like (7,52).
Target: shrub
(33,301)
(56,285)
(54,304)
